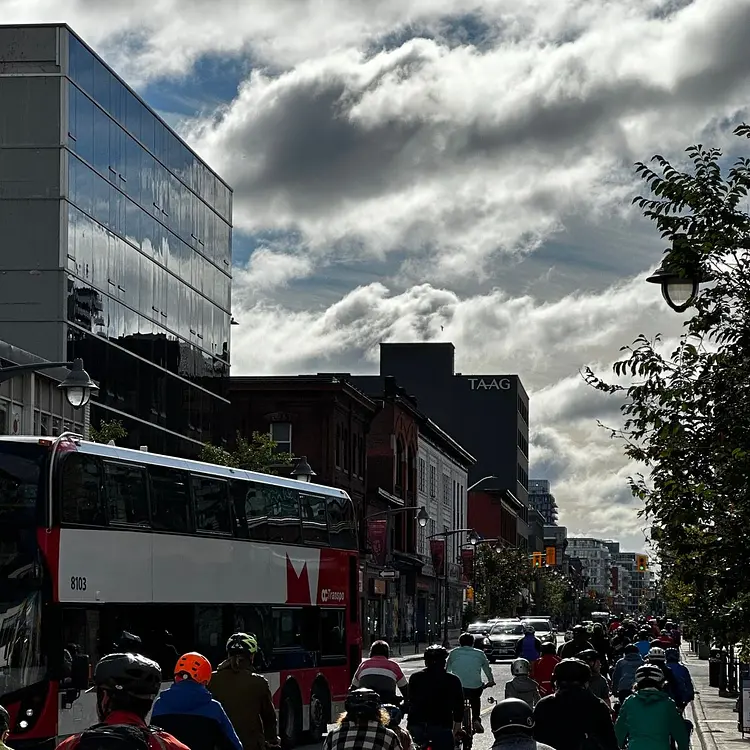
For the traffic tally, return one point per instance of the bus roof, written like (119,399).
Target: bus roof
(158,459)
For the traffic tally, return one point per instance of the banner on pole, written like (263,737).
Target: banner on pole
(377,532)
(437,551)
(467,564)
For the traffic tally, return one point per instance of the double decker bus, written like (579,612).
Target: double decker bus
(98,542)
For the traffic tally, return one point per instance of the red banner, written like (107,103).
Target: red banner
(467,565)
(377,532)
(437,550)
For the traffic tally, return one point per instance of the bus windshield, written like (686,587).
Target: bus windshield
(21,660)
(21,481)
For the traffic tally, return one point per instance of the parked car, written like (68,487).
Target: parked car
(503,638)
(542,629)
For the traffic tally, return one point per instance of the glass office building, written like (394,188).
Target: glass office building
(119,241)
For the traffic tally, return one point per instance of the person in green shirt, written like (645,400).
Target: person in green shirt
(4,728)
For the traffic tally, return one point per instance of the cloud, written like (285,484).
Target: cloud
(462,154)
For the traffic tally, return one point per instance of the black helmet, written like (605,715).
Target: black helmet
(362,702)
(512,715)
(435,654)
(649,675)
(242,644)
(128,674)
(4,720)
(571,672)
(589,655)
(394,712)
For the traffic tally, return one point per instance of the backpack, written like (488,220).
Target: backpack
(117,737)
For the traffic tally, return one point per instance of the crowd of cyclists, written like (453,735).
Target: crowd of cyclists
(601,691)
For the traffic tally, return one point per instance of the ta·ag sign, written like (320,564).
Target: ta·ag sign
(489,384)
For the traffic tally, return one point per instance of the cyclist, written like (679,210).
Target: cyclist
(4,727)
(648,719)
(544,668)
(658,657)
(598,685)
(363,725)
(381,674)
(580,642)
(644,642)
(512,723)
(682,675)
(468,664)
(394,724)
(436,702)
(245,695)
(623,677)
(187,711)
(528,647)
(572,717)
(126,685)
(522,686)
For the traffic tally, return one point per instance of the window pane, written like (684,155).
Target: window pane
(281,433)
(342,529)
(314,525)
(81,65)
(170,501)
(125,486)
(81,495)
(332,635)
(211,505)
(102,78)
(287,625)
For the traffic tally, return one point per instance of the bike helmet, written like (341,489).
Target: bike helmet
(589,656)
(242,644)
(649,676)
(128,674)
(512,715)
(571,672)
(362,702)
(672,654)
(528,628)
(656,654)
(394,714)
(193,666)
(4,720)
(435,654)
(520,667)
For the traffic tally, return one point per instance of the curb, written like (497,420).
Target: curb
(706,739)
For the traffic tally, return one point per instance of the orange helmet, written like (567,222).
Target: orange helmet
(193,665)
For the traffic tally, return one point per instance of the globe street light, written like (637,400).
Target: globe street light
(77,385)
(422,517)
(679,275)
(302,471)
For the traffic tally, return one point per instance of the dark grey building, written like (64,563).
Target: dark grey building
(541,498)
(116,241)
(487,414)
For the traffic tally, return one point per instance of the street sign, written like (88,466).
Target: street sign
(389,573)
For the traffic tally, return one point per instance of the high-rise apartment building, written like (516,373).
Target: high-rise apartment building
(596,559)
(116,241)
(542,499)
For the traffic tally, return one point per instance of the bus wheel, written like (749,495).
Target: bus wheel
(320,711)
(290,718)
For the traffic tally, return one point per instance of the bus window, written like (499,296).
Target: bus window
(341,522)
(170,501)
(332,640)
(209,639)
(20,475)
(314,524)
(81,495)
(250,509)
(125,486)
(211,505)
(282,510)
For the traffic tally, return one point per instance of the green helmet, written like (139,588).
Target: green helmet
(242,643)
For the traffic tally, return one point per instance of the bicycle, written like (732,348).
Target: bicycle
(465,740)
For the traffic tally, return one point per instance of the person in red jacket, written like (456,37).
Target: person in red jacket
(543,668)
(126,686)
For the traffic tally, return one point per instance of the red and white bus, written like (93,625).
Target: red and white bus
(97,541)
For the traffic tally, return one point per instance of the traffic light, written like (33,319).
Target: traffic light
(536,559)
(470,594)
(551,556)
(641,562)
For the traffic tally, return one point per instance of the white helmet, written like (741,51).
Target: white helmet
(656,654)
(528,628)
(520,667)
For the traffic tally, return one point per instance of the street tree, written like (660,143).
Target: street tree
(108,430)
(686,408)
(259,453)
(499,578)
(551,594)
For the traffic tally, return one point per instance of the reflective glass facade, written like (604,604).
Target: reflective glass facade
(148,254)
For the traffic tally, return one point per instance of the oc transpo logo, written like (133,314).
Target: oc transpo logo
(329,595)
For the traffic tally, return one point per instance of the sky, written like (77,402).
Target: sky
(443,170)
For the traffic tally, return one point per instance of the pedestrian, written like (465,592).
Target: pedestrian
(512,724)
(544,667)
(363,725)
(4,727)
(521,685)
(187,711)
(649,719)
(572,717)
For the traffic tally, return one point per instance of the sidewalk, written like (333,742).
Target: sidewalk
(714,717)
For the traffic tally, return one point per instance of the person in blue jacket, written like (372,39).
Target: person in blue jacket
(188,712)
(684,680)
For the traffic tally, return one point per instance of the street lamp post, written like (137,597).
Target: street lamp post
(302,470)
(679,279)
(472,538)
(421,516)
(77,386)
(498,545)
(477,483)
